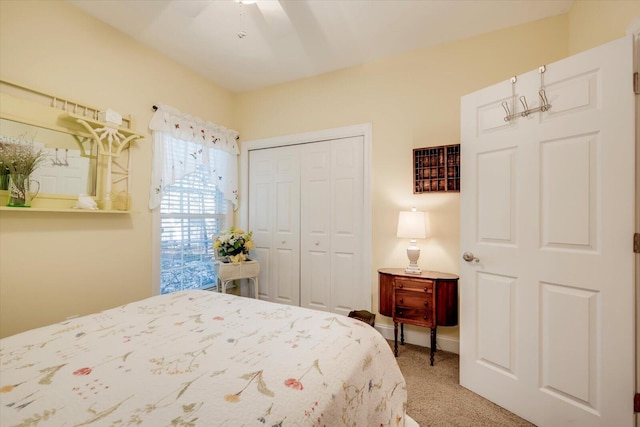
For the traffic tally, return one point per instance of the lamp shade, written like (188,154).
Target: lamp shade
(412,225)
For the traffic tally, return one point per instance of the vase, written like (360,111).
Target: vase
(4,179)
(221,258)
(21,190)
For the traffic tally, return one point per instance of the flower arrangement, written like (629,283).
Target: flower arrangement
(235,244)
(18,160)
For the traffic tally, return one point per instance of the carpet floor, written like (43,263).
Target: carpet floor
(435,397)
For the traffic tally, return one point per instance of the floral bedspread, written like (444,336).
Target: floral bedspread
(199,358)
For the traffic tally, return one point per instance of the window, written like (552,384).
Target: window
(191,212)
(194,185)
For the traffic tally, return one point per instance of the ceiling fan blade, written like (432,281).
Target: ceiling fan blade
(192,8)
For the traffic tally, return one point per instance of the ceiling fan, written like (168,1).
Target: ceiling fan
(271,10)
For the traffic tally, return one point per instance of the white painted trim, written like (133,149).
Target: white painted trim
(155,251)
(634,29)
(364,130)
(422,337)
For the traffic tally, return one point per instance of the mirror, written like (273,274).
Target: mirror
(84,154)
(68,169)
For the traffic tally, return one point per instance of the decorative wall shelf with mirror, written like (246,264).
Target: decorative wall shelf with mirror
(84,155)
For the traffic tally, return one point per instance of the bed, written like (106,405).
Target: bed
(200,358)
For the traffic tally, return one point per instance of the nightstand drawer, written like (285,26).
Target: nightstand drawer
(414,285)
(420,300)
(417,316)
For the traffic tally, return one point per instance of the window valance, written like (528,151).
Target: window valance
(193,129)
(182,143)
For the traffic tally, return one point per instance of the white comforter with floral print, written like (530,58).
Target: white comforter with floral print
(198,358)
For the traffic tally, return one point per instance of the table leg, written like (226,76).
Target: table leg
(255,286)
(401,333)
(433,344)
(395,339)
(255,283)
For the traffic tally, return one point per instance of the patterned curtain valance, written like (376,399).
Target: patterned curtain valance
(182,144)
(193,129)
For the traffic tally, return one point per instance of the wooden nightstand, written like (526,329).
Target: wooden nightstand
(429,300)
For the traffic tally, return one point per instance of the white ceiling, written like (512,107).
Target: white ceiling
(291,39)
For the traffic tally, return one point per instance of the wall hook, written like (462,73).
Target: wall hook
(525,107)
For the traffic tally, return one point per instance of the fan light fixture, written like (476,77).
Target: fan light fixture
(242,33)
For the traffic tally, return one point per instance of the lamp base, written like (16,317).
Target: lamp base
(413,270)
(413,253)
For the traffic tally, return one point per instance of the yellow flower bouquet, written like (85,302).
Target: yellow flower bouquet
(234,244)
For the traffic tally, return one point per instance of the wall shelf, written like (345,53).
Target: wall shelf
(46,202)
(59,210)
(436,169)
(106,145)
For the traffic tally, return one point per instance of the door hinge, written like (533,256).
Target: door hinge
(636,84)
(636,243)
(636,403)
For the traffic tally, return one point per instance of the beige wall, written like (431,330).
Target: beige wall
(54,265)
(57,265)
(594,22)
(412,100)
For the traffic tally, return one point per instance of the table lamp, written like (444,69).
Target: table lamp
(412,225)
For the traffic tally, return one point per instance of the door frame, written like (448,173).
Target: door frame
(634,29)
(365,131)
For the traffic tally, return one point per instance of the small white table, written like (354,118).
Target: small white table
(228,272)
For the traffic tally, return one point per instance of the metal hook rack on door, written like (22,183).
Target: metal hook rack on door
(544,103)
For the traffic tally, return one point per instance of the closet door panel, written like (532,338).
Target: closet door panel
(261,176)
(274,218)
(315,262)
(286,245)
(315,280)
(347,163)
(285,276)
(344,284)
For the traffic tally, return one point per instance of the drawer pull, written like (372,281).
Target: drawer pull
(426,303)
(426,290)
(424,317)
(401,299)
(400,286)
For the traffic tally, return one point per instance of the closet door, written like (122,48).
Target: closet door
(315,239)
(274,218)
(332,208)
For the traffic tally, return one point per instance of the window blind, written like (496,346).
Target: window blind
(192,211)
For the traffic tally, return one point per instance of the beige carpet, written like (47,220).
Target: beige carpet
(437,399)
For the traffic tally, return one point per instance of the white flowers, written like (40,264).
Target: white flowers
(235,244)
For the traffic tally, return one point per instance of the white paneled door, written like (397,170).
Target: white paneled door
(547,206)
(306,209)
(331,225)
(274,218)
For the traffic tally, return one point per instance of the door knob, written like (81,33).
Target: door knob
(469,256)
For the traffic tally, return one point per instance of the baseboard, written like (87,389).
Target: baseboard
(422,337)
